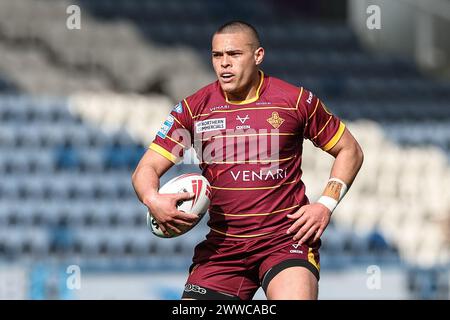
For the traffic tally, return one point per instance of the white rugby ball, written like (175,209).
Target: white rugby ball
(190,182)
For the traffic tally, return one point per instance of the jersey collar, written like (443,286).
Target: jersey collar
(255,98)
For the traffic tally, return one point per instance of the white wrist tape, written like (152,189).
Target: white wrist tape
(328,202)
(331,199)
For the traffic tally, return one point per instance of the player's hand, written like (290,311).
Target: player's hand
(310,222)
(164,209)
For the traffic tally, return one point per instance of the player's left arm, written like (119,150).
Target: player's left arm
(312,219)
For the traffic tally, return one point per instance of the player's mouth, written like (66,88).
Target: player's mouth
(226,77)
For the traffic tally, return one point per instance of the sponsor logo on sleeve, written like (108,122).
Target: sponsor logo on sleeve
(309,100)
(166,126)
(178,108)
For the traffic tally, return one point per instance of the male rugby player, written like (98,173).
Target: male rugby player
(263,230)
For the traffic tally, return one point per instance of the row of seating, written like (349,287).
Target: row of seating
(402,111)
(94,63)
(106,213)
(33,70)
(110,241)
(44,161)
(420,133)
(330,48)
(66,186)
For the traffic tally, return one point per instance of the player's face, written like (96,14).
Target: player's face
(235,61)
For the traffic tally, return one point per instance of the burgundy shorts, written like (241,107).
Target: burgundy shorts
(235,269)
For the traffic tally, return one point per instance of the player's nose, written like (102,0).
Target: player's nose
(225,62)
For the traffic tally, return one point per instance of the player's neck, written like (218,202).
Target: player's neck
(248,93)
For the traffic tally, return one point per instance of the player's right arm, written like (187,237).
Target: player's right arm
(166,149)
(162,206)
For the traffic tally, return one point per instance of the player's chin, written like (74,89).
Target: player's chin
(228,88)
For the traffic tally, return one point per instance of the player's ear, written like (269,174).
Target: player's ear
(259,55)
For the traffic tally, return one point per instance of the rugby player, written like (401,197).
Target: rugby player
(263,229)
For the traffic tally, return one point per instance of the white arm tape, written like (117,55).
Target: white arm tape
(329,202)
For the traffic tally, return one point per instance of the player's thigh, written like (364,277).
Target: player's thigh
(293,283)
(292,271)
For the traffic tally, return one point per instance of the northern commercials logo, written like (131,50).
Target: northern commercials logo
(210,125)
(194,288)
(295,250)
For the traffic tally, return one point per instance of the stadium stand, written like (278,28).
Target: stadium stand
(93,56)
(78,108)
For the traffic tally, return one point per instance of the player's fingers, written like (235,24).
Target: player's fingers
(186,216)
(297,214)
(182,223)
(172,227)
(184,196)
(318,235)
(308,235)
(303,230)
(297,224)
(163,229)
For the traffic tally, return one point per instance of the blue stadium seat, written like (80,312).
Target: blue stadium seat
(66,157)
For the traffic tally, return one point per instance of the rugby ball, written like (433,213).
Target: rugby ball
(191,182)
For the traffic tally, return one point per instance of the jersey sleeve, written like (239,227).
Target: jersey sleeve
(174,136)
(321,126)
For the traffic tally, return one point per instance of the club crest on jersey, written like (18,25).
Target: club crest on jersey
(275,120)
(166,126)
(178,108)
